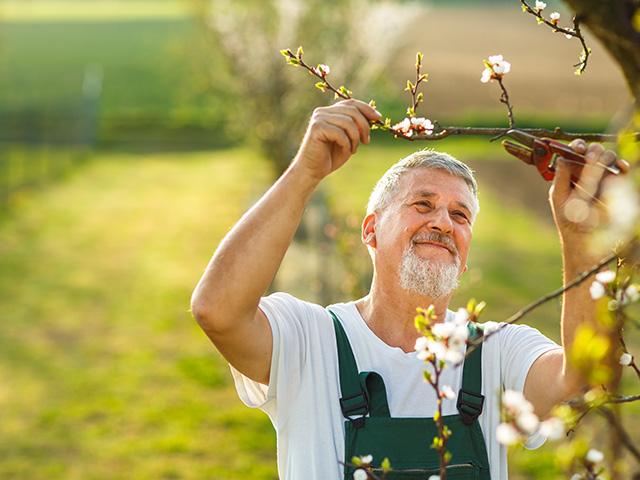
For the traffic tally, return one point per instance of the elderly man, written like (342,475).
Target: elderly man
(345,380)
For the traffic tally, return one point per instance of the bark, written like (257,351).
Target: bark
(612,22)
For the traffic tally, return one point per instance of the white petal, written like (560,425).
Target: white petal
(486,75)
(540,5)
(606,276)
(443,330)
(528,422)
(495,58)
(448,392)
(421,343)
(554,16)
(552,428)
(594,456)
(461,317)
(360,474)
(625,359)
(596,290)
(507,434)
(367,459)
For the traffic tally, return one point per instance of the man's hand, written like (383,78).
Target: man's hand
(576,205)
(333,135)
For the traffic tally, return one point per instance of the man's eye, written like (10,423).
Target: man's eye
(424,204)
(460,215)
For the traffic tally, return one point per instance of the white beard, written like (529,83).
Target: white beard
(430,278)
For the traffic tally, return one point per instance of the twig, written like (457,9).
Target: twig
(416,97)
(586,51)
(504,98)
(622,433)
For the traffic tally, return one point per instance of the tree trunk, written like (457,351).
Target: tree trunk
(612,22)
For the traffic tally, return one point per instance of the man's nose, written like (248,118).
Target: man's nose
(441,221)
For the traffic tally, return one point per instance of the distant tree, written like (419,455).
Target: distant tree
(271,105)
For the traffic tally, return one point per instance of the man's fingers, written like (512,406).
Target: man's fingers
(346,123)
(578,145)
(367,110)
(338,136)
(359,120)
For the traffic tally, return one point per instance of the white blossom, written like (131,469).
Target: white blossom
(360,474)
(495,67)
(625,359)
(323,69)
(434,477)
(569,36)
(421,344)
(486,75)
(577,476)
(555,16)
(528,422)
(443,330)
(540,6)
(366,459)
(596,290)
(606,276)
(507,434)
(461,317)
(448,392)
(594,456)
(552,428)
(516,402)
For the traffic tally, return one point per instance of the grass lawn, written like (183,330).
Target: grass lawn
(105,373)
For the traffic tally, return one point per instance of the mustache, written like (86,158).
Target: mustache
(437,237)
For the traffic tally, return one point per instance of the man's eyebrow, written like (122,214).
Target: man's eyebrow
(426,193)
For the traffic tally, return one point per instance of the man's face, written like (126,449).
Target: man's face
(428,222)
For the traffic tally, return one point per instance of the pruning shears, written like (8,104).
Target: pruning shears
(543,153)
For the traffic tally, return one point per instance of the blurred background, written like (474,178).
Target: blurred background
(133,134)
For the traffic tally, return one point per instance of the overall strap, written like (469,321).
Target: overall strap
(470,398)
(354,399)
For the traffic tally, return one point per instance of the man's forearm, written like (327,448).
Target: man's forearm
(578,308)
(249,256)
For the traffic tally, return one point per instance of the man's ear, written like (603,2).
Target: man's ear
(465,268)
(369,230)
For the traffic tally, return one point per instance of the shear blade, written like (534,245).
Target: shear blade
(519,151)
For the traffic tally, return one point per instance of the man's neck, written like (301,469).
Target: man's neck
(390,311)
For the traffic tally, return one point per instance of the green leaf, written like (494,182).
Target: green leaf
(385,465)
(471,305)
(293,61)
(409,86)
(285,52)
(420,97)
(447,456)
(356,461)
(322,86)
(427,376)
(372,103)
(299,52)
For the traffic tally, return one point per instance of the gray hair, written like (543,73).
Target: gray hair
(385,189)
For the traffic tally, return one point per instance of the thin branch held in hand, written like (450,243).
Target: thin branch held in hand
(569,33)
(425,130)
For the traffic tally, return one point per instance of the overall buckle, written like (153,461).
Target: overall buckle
(469,405)
(357,404)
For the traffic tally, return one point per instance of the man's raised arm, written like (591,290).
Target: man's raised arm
(225,301)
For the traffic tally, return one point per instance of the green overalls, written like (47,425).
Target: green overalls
(406,441)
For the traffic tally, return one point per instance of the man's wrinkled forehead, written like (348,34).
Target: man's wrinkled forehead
(429,182)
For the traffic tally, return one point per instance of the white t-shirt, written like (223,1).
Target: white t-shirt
(304,384)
